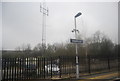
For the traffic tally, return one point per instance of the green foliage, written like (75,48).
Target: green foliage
(99,45)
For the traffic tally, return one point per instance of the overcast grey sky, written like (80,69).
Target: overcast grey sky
(22,21)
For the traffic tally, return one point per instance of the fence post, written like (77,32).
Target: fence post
(51,66)
(44,66)
(7,68)
(89,65)
(3,69)
(108,63)
(14,66)
(59,67)
(118,67)
(11,68)
(20,69)
(37,67)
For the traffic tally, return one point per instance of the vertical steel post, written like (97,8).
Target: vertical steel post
(108,63)
(76,49)
(89,64)
(60,66)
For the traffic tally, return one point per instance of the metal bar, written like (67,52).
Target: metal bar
(37,61)
(14,62)
(23,63)
(89,70)
(4,69)
(41,71)
(7,68)
(60,67)
(108,63)
(51,67)
(11,62)
(26,69)
(76,49)
(20,69)
(44,67)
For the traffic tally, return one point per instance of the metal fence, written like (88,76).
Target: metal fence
(46,68)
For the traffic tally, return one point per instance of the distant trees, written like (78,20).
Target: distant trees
(37,50)
(98,45)
(24,47)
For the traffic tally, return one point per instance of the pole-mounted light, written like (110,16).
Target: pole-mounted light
(76,47)
(78,14)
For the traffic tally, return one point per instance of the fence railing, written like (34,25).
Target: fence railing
(45,68)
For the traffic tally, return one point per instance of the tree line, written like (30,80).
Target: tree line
(98,45)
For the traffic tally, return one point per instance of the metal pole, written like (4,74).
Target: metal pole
(86,58)
(86,55)
(44,11)
(76,48)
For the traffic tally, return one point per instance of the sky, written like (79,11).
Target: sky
(22,21)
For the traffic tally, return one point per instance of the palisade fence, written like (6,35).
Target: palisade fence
(14,69)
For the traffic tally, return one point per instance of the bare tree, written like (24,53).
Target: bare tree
(18,49)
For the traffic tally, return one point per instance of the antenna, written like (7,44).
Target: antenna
(44,12)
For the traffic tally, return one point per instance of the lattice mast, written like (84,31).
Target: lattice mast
(44,12)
